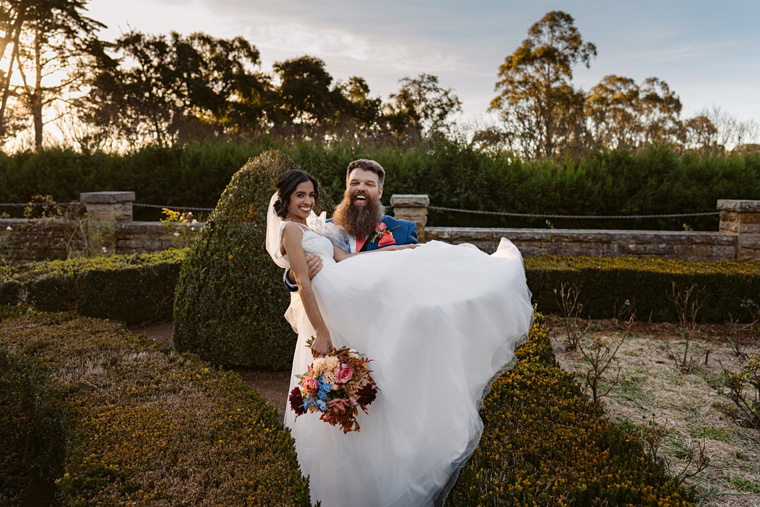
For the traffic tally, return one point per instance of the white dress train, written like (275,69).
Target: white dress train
(440,323)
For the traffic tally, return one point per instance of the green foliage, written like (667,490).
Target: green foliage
(742,387)
(422,105)
(604,283)
(140,288)
(655,181)
(132,288)
(180,87)
(537,102)
(9,291)
(140,423)
(32,427)
(230,298)
(544,443)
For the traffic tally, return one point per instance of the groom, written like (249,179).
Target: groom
(362,215)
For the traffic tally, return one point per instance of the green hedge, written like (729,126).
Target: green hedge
(544,443)
(99,417)
(655,181)
(230,298)
(140,289)
(605,283)
(132,288)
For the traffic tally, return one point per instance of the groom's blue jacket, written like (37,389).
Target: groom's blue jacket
(403,232)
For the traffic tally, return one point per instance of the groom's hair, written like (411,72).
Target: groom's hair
(286,185)
(369,165)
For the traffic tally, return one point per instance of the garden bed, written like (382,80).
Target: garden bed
(688,408)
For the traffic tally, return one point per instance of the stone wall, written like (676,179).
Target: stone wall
(738,237)
(106,228)
(41,239)
(707,246)
(109,228)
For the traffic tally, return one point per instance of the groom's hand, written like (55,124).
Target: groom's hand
(314,265)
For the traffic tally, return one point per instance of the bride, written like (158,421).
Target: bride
(439,322)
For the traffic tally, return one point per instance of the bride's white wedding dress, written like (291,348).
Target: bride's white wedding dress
(440,323)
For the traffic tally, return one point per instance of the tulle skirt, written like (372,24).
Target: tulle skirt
(440,323)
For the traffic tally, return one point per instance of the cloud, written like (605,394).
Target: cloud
(298,39)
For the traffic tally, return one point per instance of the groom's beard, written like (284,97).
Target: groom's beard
(359,221)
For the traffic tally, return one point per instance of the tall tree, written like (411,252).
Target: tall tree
(53,36)
(660,111)
(612,108)
(702,134)
(623,114)
(304,95)
(356,104)
(535,88)
(159,89)
(13,15)
(731,132)
(421,107)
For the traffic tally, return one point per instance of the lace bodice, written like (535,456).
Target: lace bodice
(313,243)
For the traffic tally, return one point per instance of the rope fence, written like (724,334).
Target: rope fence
(588,217)
(436,208)
(69,204)
(174,208)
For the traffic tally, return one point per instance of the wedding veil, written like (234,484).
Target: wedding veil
(274,234)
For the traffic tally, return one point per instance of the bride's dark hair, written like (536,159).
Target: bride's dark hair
(286,185)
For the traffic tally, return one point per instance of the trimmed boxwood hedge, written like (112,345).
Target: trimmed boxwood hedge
(545,443)
(139,289)
(136,289)
(96,416)
(230,297)
(606,282)
(141,424)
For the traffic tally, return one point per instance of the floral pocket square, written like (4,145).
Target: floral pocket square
(386,239)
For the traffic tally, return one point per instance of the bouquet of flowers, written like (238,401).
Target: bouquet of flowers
(337,385)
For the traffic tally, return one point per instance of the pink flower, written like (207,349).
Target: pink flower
(309,385)
(339,405)
(345,373)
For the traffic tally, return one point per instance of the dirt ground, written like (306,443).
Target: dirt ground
(650,388)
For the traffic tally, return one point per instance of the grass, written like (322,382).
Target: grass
(748,485)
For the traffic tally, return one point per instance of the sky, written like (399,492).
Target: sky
(707,51)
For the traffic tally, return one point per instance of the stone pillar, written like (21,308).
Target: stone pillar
(742,219)
(108,206)
(105,211)
(412,207)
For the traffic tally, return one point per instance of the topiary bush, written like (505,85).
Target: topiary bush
(545,443)
(230,298)
(92,415)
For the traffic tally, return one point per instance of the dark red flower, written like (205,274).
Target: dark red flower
(296,402)
(366,395)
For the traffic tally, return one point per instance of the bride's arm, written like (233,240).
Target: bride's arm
(341,255)
(291,243)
